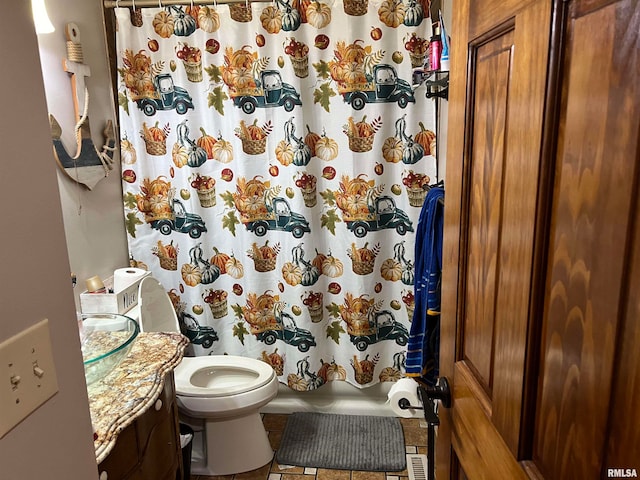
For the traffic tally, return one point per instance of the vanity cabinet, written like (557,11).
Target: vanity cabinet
(149,448)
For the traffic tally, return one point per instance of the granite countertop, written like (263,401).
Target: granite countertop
(132,387)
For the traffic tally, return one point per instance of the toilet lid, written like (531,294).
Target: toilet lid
(220,375)
(156,310)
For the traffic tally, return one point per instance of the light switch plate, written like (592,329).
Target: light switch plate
(27,374)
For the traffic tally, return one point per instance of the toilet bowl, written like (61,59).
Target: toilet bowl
(225,391)
(228,387)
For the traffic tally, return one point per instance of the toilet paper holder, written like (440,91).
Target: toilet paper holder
(428,395)
(440,391)
(405,404)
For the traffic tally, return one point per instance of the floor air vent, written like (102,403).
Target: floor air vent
(417,467)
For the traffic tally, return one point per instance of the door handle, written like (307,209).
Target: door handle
(441,391)
(429,395)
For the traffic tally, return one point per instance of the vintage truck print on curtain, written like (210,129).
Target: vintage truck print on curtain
(275,160)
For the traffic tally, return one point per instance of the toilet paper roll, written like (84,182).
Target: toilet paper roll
(123,277)
(405,389)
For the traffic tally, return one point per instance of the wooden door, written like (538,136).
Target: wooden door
(540,301)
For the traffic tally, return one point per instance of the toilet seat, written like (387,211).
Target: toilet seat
(154,311)
(221,376)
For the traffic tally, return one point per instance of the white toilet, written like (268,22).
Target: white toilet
(224,392)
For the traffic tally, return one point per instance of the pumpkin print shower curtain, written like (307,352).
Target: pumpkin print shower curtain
(275,157)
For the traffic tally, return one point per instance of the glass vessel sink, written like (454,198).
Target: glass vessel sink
(106,340)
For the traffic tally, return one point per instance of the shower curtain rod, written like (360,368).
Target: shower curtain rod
(164,3)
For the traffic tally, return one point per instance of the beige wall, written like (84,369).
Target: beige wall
(55,442)
(93,220)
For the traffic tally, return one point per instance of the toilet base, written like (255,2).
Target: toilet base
(234,445)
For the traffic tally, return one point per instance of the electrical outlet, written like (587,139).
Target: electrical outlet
(27,374)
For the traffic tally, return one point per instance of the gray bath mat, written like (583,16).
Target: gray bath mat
(344,442)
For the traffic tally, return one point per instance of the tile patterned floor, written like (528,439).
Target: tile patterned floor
(415,439)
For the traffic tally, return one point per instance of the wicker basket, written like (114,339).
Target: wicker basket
(309,196)
(168,263)
(155,148)
(254,147)
(360,144)
(416,196)
(358,324)
(194,70)
(240,12)
(363,377)
(316,313)
(279,369)
(417,59)
(207,197)
(300,66)
(154,216)
(362,268)
(409,312)
(264,264)
(219,309)
(355,7)
(136,17)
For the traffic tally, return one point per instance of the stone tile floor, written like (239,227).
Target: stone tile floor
(415,439)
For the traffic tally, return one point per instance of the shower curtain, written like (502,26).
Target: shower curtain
(275,157)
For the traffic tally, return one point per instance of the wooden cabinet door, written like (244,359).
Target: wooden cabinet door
(541,242)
